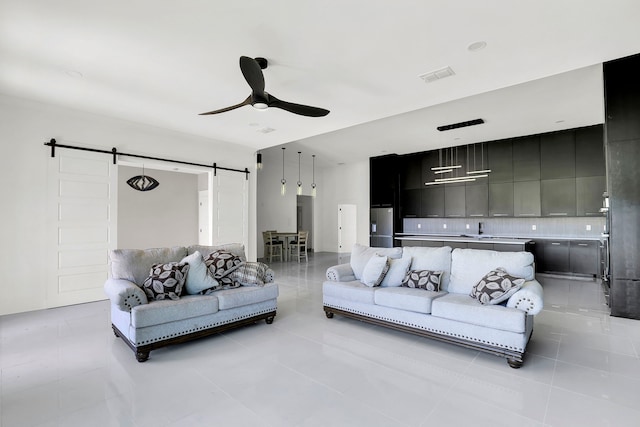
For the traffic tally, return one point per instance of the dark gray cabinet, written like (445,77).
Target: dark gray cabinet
(432,202)
(410,201)
(500,159)
(501,199)
(583,257)
(558,197)
(411,172)
(556,256)
(536,247)
(526,198)
(526,159)
(383,179)
(589,191)
(477,199)
(507,247)
(590,151)
(557,155)
(454,200)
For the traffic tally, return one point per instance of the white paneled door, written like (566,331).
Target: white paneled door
(82,212)
(230,207)
(347,221)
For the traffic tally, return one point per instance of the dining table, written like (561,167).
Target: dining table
(285,236)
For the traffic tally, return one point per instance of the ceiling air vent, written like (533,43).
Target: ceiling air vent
(437,75)
(460,125)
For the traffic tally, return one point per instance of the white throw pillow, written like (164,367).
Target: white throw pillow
(360,255)
(374,271)
(398,269)
(198,277)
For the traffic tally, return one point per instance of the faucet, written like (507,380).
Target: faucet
(480,228)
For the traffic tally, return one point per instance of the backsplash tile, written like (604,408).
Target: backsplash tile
(511,227)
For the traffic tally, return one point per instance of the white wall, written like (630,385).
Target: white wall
(24,127)
(163,217)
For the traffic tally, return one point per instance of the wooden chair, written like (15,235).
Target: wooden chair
(273,248)
(299,246)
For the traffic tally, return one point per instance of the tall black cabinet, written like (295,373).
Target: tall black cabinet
(622,139)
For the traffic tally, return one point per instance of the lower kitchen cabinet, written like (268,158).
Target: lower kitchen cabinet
(556,256)
(583,257)
(536,247)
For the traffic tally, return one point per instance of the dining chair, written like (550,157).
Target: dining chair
(273,248)
(299,246)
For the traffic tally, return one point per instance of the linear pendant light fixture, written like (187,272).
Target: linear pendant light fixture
(482,169)
(299,192)
(283,188)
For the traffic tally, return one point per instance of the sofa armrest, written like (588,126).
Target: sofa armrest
(529,298)
(124,294)
(340,273)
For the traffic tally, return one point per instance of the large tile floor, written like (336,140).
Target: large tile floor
(64,367)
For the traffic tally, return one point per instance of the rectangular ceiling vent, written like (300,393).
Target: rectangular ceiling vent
(437,75)
(460,125)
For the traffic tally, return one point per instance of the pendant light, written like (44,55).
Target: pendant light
(259,161)
(482,169)
(283,189)
(313,183)
(299,192)
(142,182)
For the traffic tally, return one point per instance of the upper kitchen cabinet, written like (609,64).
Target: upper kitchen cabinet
(477,199)
(501,199)
(432,202)
(500,159)
(590,151)
(526,159)
(383,180)
(410,203)
(430,159)
(589,191)
(621,94)
(558,197)
(526,198)
(410,168)
(558,155)
(454,201)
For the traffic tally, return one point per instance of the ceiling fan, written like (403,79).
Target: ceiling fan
(252,71)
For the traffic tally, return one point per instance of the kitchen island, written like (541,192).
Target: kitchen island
(472,241)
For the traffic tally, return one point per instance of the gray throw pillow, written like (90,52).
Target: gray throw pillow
(423,279)
(165,281)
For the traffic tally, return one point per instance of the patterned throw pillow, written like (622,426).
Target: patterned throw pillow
(252,274)
(220,263)
(165,281)
(423,279)
(496,287)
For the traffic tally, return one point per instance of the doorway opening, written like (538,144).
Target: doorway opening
(304,218)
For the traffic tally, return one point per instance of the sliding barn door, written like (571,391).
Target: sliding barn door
(230,208)
(82,204)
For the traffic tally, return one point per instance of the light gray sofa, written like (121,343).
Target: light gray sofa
(450,314)
(147,324)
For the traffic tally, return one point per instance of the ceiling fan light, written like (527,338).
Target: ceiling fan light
(260,106)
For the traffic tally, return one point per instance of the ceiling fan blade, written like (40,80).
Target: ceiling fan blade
(252,74)
(233,107)
(303,110)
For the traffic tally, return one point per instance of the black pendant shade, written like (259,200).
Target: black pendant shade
(142,183)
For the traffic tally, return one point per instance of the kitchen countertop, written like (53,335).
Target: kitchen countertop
(485,238)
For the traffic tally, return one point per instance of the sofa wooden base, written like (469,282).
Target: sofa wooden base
(515,359)
(142,352)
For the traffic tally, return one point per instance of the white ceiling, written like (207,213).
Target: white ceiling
(161,62)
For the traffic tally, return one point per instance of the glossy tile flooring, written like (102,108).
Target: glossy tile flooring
(64,367)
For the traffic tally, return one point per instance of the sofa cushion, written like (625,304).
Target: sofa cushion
(469,310)
(235,248)
(360,256)
(159,312)
(245,295)
(398,269)
(165,281)
(496,286)
(198,277)
(350,291)
(417,300)
(435,259)
(375,270)
(134,264)
(468,266)
(423,279)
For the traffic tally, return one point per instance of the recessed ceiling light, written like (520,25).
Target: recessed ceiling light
(476,46)
(265,129)
(559,121)
(74,74)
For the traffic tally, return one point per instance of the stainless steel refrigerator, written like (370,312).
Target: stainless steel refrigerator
(381,228)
